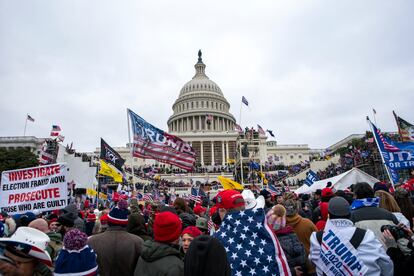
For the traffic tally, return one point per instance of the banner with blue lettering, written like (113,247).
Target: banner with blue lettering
(311,177)
(396,155)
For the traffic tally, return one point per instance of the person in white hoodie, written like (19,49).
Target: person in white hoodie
(343,249)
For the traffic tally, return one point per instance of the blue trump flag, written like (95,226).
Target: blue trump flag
(396,155)
(252,247)
(311,177)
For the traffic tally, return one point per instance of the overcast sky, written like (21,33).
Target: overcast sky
(311,70)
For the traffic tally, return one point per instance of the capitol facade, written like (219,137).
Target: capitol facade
(201,117)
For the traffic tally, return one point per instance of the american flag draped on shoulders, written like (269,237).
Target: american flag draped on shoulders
(252,247)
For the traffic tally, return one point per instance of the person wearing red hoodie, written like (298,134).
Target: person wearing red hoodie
(324,216)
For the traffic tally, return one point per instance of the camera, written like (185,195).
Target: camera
(397,232)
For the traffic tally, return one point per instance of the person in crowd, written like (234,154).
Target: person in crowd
(293,248)
(403,261)
(206,256)
(72,212)
(66,223)
(403,199)
(181,206)
(306,207)
(370,251)
(76,257)
(162,256)
(320,225)
(118,251)
(229,201)
(187,236)
(55,244)
(25,254)
(388,202)
(199,211)
(187,219)
(202,225)
(268,198)
(326,194)
(136,224)
(365,212)
(316,198)
(90,223)
(302,227)
(9,226)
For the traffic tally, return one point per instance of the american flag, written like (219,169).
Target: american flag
(209,117)
(194,196)
(211,225)
(153,143)
(261,131)
(244,100)
(148,197)
(252,247)
(387,145)
(238,128)
(55,130)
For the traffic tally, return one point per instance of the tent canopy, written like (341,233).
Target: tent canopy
(340,181)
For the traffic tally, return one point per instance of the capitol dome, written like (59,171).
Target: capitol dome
(201,106)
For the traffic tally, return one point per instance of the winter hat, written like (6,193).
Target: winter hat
(76,257)
(276,215)
(86,204)
(119,214)
(338,206)
(198,209)
(104,219)
(229,199)
(192,231)
(201,223)
(291,206)
(401,193)
(167,227)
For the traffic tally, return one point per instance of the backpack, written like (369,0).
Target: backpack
(355,240)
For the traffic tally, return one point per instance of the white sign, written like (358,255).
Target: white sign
(40,189)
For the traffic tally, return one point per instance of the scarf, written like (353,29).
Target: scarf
(365,202)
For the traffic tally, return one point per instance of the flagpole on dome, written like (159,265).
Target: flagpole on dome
(380,152)
(131,151)
(25,124)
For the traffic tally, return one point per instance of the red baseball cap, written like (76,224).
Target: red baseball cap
(229,199)
(192,231)
(198,209)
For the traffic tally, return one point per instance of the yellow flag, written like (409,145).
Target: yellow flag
(103,196)
(229,184)
(262,176)
(108,170)
(91,192)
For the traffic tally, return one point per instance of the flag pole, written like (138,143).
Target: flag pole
(380,152)
(374,112)
(240,145)
(131,150)
(25,125)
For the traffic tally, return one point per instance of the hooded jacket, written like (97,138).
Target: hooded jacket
(294,251)
(158,259)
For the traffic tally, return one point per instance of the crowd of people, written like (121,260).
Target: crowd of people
(363,229)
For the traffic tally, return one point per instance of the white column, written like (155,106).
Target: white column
(202,153)
(199,122)
(188,124)
(194,128)
(223,128)
(223,161)
(212,153)
(227,150)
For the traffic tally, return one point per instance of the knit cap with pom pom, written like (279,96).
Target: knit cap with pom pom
(75,239)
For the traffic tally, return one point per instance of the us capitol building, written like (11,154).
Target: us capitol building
(201,117)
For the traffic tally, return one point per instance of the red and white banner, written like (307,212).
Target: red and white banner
(37,189)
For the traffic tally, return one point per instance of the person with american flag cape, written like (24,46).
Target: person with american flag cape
(252,247)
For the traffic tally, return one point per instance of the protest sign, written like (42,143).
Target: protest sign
(40,189)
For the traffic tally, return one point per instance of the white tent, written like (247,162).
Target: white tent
(339,182)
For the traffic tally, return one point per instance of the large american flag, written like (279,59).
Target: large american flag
(153,143)
(252,247)
(387,146)
(148,197)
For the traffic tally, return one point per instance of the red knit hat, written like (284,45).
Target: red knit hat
(229,199)
(192,231)
(198,209)
(91,217)
(212,210)
(167,227)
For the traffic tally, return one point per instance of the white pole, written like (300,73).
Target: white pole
(240,145)
(131,150)
(25,125)
(379,149)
